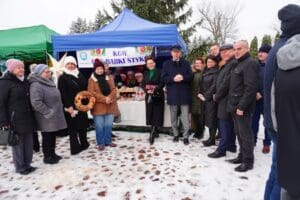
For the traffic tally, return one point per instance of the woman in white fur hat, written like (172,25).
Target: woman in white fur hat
(70,83)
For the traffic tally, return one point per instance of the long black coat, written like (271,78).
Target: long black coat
(222,88)
(244,83)
(14,98)
(154,109)
(287,98)
(69,86)
(208,89)
(178,93)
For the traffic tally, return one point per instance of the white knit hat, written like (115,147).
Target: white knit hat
(70,59)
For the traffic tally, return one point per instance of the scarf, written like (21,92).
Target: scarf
(74,72)
(151,73)
(21,78)
(104,87)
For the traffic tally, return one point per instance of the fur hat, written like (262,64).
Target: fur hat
(70,59)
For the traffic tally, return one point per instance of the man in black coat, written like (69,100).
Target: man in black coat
(177,75)
(227,142)
(241,103)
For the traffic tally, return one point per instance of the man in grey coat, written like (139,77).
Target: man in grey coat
(46,102)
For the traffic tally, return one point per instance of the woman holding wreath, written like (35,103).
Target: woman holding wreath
(70,83)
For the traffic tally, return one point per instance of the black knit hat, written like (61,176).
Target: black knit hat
(265,48)
(289,16)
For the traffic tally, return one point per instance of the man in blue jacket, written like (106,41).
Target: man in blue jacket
(177,75)
(259,108)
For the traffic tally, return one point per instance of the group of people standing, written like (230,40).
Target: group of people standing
(220,94)
(227,92)
(36,103)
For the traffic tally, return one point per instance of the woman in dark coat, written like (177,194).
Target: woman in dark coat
(196,107)
(70,83)
(207,90)
(49,114)
(154,99)
(16,112)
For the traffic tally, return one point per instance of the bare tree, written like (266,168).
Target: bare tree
(220,22)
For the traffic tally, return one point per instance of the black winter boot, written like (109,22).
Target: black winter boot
(212,138)
(152,135)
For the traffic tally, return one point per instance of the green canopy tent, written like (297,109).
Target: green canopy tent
(29,44)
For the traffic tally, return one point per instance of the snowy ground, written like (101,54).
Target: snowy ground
(136,170)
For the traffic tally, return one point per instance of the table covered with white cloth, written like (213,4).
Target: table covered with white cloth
(133,113)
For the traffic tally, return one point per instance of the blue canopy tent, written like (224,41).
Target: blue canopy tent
(127,30)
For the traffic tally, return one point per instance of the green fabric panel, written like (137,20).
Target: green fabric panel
(27,44)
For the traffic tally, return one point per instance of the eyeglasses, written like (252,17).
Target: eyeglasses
(47,72)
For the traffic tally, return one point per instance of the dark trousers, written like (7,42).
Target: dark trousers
(22,153)
(242,126)
(259,110)
(198,122)
(36,143)
(226,130)
(78,140)
(48,143)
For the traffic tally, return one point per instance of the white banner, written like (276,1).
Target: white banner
(115,57)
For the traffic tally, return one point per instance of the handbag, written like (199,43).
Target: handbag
(8,136)
(4,132)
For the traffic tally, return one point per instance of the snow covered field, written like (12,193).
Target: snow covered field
(136,170)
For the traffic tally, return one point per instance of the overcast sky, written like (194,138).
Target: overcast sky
(257,17)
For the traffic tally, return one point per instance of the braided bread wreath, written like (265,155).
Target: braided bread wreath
(84,101)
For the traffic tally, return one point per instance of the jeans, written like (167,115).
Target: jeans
(22,153)
(184,119)
(272,189)
(226,130)
(103,126)
(259,110)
